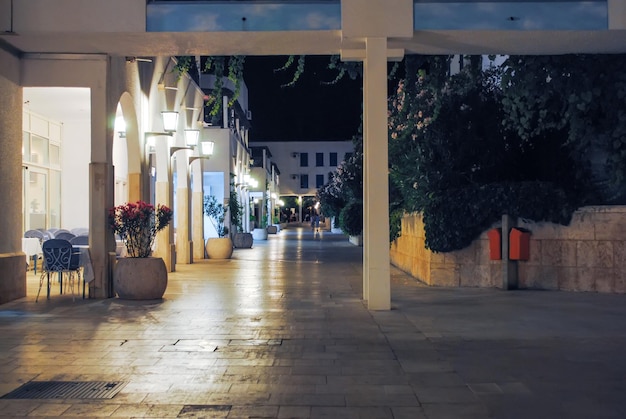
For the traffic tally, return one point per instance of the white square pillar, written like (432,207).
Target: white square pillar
(376,273)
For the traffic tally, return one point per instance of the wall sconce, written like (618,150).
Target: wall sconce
(206,151)
(170,120)
(151,137)
(191,137)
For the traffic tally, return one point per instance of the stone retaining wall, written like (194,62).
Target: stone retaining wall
(587,255)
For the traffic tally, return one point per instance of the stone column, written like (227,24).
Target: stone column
(376,278)
(509,267)
(163,196)
(183,240)
(197,210)
(12,260)
(617,14)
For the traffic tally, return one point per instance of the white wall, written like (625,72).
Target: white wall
(289,166)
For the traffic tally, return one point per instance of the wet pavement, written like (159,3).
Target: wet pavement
(280,331)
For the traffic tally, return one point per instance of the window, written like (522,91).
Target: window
(304,159)
(333,159)
(319,159)
(304,181)
(331,176)
(319,181)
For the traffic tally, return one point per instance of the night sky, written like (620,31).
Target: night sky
(309,110)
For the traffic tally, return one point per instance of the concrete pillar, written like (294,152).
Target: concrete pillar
(12,260)
(162,195)
(376,274)
(617,14)
(197,211)
(509,267)
(134,187)
(183,236)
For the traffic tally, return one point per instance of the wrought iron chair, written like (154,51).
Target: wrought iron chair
(59,256)
(80,240)
(64,235)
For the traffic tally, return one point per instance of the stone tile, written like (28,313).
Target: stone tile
(451,395)
(90,410)
(294,412)
(50,409)
(455,411)
(306,400)
(351,413)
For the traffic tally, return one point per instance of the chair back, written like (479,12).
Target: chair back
(34,234)
(57,255)
(80,240)
(58,231)
(80,231)
(63,235)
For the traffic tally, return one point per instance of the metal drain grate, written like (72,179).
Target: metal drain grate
(66,390)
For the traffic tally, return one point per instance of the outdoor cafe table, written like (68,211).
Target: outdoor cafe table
(32,248)
(84,262)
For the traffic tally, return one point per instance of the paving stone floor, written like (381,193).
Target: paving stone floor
(280,331)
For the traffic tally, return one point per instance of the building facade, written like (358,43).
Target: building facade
(100,46)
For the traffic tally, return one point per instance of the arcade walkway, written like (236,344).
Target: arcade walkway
(280,331)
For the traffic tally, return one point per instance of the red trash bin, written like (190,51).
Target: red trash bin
(519,244)
(495,243)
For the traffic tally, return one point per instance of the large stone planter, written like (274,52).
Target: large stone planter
(140,278)
(259,234)
(242,240)
(219,248)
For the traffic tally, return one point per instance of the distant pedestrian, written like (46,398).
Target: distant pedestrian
(315,223)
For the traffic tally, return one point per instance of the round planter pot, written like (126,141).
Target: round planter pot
(219,248)
(259,234)
(242,240)
(140,278)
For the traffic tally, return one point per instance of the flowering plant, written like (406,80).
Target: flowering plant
(137,225)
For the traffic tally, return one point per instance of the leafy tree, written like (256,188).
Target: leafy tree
(578,99)
(452,158)
(342,195)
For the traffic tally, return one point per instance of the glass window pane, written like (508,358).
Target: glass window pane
(55,199)
(55,155)
(37,198)
(304,181)
(304,159)
(319,159)
(333,159)
(25,146)
(39,153)
(319,181)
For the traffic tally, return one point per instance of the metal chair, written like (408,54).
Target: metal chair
(80,240)
(59,256)
(63,235)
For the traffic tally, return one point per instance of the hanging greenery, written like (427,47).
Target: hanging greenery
(298,71)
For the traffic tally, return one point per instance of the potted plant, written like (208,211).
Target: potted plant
(241,240)
(139,276)
(260,231)
(220,247)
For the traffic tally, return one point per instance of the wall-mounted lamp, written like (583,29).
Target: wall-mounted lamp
(170,120)
(248,182)
(150,137)
(191,137)
(294,155)
(206,151)
(138,59)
